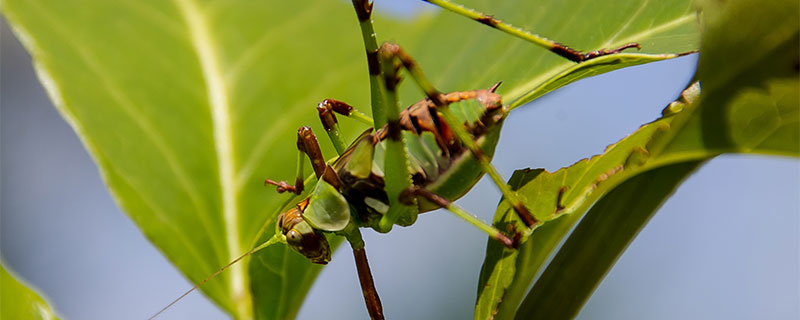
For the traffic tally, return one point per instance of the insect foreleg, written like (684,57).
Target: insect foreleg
(299,185)
(393,50)
(307,144)
(326,110)
(555,47)
(493,232)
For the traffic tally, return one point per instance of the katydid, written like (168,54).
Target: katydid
(411,161)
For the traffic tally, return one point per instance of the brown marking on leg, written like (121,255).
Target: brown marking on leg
(327,107)
(339,107)
(326,115)
(363,9)
(577,56)
(371,298)
(284,186)
(488,20)
(391,80)
(394,131)
(567,52)
(373,63)
(605,52)
(436,96)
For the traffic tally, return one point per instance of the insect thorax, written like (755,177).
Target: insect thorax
(438,161)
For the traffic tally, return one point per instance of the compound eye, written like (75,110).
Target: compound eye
(294,238)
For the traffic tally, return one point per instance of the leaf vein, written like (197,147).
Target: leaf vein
(204,45)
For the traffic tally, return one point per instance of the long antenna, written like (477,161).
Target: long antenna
(275,239)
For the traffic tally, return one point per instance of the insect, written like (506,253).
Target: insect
(411,161)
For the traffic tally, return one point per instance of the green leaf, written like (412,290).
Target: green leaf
(616,219)
(178,103)
(749,106)
(749,71)
(566,193)
(598,241)
(187,105)
(19,301)
(481,56)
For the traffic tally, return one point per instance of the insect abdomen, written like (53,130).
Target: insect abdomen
(437,159)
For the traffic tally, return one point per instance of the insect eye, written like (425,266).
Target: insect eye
(294,238)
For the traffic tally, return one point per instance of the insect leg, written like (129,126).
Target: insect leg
(493,232)
(298,186)
(326,110)
(371,298)
(344,109)
(364,13)
(557,48)
(393,50)
(307,144)
(397,173)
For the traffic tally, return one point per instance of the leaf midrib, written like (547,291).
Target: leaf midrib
(46,77)
(218,101)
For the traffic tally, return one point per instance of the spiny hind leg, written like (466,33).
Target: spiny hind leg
(307,144)
(397,174)
(390,54)
(555,47)
(494,233)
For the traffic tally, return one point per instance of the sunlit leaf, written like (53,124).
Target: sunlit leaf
(186,106)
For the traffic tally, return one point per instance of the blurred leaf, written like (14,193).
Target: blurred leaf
(749,71)
(751,105)
(19,301)
(186,106)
